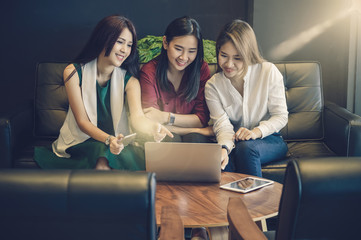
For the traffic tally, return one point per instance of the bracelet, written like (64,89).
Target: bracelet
(225,147)
(171,119)
(107,141)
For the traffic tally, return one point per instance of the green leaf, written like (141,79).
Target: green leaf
(150,47)
(209,49)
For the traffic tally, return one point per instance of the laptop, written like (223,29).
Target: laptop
(184,162)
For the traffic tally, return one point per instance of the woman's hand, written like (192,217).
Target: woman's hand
(115,146)
(156,115)
(225,158)
(246,134)
(159,132)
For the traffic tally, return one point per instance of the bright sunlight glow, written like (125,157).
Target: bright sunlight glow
(296,42)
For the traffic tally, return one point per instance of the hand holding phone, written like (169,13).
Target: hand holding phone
(128,139)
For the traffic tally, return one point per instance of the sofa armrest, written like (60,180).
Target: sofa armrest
(16,128)
(241,225)
(342,130)
(171,224)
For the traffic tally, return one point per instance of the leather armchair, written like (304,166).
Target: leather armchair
(320,200)
(314,129)
(80,204)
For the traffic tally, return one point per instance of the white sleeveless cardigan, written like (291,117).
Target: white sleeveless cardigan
(70,133)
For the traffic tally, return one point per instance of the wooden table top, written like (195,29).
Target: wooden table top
(205,204)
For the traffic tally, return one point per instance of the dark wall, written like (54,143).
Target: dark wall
(42,30)
(308,30)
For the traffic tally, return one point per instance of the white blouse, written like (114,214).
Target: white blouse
(263,104)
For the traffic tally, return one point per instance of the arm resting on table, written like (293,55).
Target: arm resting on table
(171,225)
(16,127)
(342,130)
(241,225)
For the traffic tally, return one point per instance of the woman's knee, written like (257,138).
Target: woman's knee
(102,164)
(247,158)
(246,148)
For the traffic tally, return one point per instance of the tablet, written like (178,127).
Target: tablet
(247,184)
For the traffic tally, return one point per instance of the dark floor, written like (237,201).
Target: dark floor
(272,224)
(187,233)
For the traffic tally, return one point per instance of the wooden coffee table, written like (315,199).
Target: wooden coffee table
(205,204)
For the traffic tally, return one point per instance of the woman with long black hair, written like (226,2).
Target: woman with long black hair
(96,84)
(173,83)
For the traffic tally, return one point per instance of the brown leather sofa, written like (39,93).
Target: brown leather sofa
(314,129)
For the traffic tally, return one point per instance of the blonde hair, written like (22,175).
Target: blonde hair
(241,34)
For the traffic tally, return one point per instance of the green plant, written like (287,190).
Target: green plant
(150,47)
(209,49)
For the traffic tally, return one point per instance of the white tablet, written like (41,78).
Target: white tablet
(247,184)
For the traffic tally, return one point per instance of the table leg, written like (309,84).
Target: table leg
(218,233)
(262,224)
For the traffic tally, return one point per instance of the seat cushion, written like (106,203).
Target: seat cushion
(309,149)
(24,157)
(296,150)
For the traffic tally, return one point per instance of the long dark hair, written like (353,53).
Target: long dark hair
(181,27)
(105,35)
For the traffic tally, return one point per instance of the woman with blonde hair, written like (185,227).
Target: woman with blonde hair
(247,103)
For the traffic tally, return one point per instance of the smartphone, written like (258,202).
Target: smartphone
(128,139)
(247,184)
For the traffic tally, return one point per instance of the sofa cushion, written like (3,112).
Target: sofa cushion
(303,88)
(25,157)
(51,101)
(296,150)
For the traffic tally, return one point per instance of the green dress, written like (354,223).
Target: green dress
(85,154)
